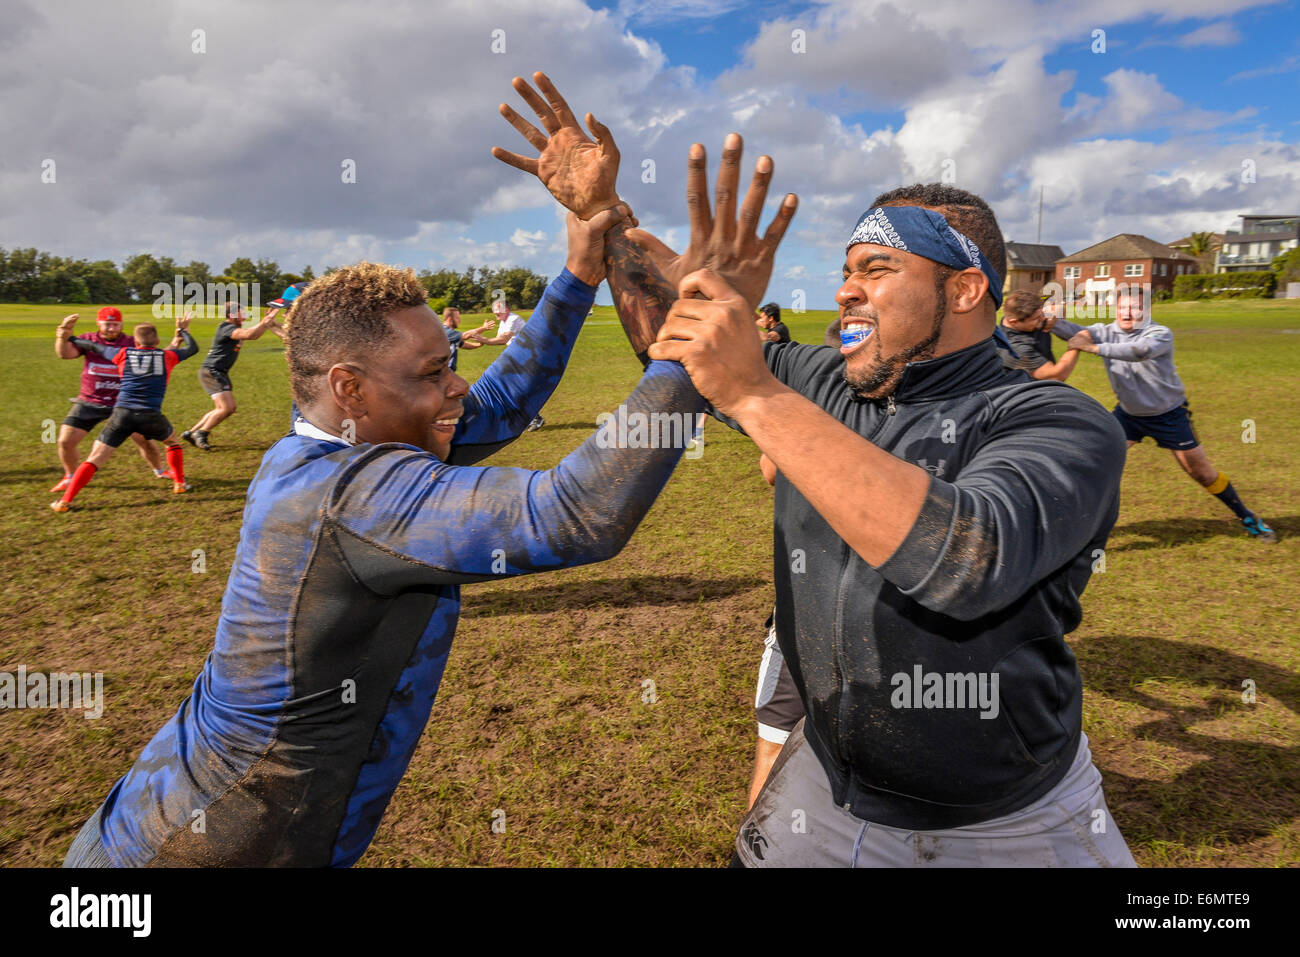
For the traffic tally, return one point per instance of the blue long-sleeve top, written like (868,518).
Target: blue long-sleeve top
(342,603)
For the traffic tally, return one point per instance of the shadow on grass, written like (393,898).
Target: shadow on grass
(1165,532)
(1243,790)
(480,601)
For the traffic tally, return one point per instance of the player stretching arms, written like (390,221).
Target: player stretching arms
(100,382)
(344,596)
(509,324)
(214,373)
(1139,360)
(145,371)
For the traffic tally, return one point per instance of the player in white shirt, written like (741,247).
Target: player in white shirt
(508,323)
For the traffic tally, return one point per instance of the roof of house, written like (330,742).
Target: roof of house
(1126,246)
(1032,256)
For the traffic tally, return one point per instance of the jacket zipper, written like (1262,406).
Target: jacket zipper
(838,629)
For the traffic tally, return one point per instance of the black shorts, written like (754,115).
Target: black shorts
(1171,430)
(85,416)
(214,381)
(777,704)
(126,422)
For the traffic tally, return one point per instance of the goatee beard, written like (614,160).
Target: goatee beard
(886,372)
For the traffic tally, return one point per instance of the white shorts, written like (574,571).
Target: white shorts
(796,823)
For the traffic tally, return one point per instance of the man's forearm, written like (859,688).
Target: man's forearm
(642,296)
(869,497)
(1059,370)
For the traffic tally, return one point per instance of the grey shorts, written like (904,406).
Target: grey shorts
(214,381)
(796,823)
(87,849)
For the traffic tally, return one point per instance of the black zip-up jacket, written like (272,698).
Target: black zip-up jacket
(1025,490)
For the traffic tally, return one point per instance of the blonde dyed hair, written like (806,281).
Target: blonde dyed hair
(343,316)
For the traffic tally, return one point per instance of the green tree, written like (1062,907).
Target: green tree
(1201,245)
(241,270)
(1287,267)
(105,283)
(522,287)
(143,272)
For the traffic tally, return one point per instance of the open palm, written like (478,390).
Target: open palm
(732,248)
(580,173)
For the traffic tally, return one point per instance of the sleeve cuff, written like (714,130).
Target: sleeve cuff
(569,289)
(914,561)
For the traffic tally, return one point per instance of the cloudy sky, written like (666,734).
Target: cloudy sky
(1157,117)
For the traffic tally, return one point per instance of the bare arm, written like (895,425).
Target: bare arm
(1059,370)
(255,332)
(63,347)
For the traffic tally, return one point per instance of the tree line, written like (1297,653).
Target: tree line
(32,276)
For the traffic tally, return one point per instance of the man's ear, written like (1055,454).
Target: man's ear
(346,386)
(966,289)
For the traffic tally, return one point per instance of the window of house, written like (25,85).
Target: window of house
(1073,272)
(1162,268)
(1133,269)
(1102,270)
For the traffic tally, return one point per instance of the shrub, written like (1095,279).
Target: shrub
(1225,285)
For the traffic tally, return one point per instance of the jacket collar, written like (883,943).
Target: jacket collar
(962,372)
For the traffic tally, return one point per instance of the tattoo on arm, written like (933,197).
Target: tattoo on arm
(642,296)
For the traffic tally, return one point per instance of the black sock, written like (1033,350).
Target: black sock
(1228,496)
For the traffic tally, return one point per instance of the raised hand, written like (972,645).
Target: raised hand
(710,331)
(644,273)
(1081,340)
(183,323)
(719,242)
(68,324)
(580,173)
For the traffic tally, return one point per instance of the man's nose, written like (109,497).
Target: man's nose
(849,295)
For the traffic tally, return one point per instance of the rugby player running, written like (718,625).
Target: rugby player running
(145,371)
(214,374)
(100,383)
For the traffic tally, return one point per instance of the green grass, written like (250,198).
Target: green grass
(541,715)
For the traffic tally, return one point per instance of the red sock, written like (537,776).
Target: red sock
(176,461)
(80,479)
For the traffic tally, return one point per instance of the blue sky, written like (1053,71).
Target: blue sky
(235,150)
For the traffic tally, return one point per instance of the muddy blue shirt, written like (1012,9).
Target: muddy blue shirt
(341,606)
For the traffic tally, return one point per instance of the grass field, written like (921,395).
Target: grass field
(541,711)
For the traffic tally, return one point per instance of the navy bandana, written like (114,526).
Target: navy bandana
(925,233)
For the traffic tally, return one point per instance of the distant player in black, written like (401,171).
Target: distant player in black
(1026,329)
(214,375)
(770,326)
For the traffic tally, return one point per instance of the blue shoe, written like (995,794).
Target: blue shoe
(1258,530)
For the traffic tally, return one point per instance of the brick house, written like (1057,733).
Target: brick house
(1126,258)
(1030,267)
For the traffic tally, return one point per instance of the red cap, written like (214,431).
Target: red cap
(109,314)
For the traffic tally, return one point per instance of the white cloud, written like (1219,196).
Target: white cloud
(527,240)
(1221,34)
